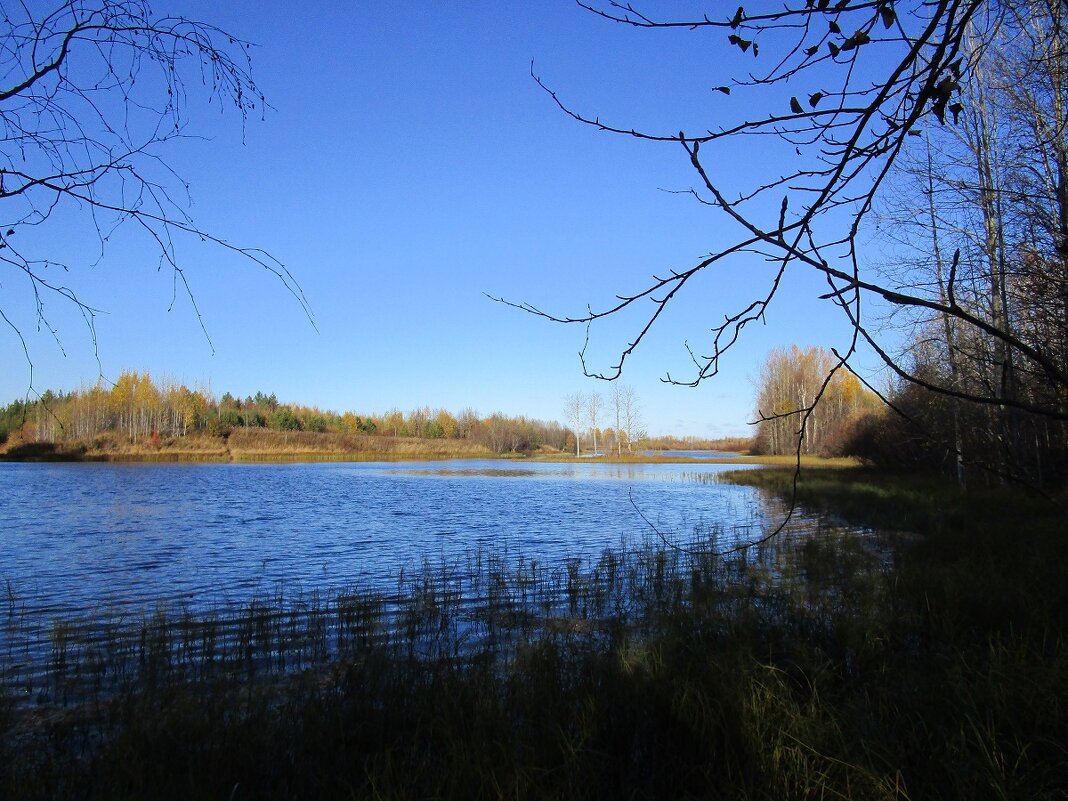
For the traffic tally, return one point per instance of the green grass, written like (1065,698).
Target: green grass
(922,665)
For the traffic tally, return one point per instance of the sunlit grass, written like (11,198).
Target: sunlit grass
(265,445)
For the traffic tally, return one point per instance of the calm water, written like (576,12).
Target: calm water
(696,454)
(88,539)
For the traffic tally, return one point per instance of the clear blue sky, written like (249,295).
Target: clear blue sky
(408,165)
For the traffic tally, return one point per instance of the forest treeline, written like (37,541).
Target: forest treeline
(790,382)
(973,228)
(150,410)
(977,220)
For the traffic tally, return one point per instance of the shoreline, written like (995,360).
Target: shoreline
(311,457)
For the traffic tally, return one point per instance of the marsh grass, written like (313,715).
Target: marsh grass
(248,445)
(830,663)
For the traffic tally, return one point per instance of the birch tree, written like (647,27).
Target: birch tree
(994,197)
(576,415)
(594,404)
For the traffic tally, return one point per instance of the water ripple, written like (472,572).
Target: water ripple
(76,539)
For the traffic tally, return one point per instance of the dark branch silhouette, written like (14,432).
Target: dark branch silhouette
(870,81)
(92,95)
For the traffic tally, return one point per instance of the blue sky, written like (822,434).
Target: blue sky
(410,165)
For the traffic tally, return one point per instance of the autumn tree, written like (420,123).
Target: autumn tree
(575,414)
(393,422)
(789,380)
(447,423)
(627,417)
(594,404)
(350,423)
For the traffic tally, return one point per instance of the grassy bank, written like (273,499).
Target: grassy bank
(668,458)
(264,445)
(926,665)
(246,445)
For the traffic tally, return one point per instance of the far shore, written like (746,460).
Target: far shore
(261,446)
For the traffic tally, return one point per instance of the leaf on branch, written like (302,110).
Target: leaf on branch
(856,40)
(833,25)
(833,48)
(795,107)
(942,94)
(822,5)
(739,15)
(887,15)
(815,98)
(811,51)
(946,87)
(939,110)
(743,44)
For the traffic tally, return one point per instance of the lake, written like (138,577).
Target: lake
(121,540)
(75,537)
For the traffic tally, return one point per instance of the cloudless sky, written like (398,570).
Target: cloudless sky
(408,166)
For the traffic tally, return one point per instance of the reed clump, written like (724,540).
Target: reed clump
(828,663)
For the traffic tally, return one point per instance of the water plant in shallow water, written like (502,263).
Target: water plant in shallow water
(840,664)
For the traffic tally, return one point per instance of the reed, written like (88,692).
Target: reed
(829,663)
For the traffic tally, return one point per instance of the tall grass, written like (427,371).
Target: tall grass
(836,664)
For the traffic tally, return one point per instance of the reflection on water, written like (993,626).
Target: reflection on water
(84,540)
(502,472)
(695,454)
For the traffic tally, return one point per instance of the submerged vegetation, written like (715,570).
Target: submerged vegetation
(827,663)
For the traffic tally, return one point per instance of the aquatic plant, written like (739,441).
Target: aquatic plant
(840,663)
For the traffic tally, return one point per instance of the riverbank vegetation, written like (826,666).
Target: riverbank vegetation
(140,416)
(240,445)
(724,444)
(834,663)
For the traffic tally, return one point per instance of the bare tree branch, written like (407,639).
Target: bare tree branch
(92,95)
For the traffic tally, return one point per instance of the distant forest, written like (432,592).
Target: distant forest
(144,409)
(151,411)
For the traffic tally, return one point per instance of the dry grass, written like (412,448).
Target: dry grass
(789,460)
(264,445)
(260,444)
(738,459)
(245,445)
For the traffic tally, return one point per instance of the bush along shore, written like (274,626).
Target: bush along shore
(923,659)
